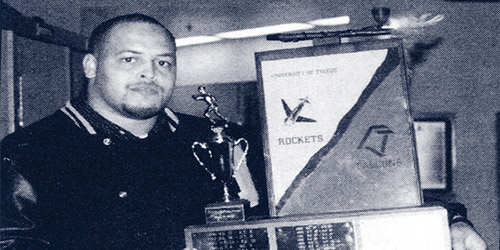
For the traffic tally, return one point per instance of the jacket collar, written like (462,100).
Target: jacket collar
(87,118)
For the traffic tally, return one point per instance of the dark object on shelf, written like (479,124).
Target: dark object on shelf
(380,14)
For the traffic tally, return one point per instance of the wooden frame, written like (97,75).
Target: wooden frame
(310,102)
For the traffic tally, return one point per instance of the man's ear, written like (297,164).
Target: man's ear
(89,66)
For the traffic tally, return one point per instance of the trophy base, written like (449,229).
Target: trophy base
(226,211)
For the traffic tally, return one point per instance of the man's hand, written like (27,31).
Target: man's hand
(464,237)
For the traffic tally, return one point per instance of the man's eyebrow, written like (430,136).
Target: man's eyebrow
(128,51)
(168,54)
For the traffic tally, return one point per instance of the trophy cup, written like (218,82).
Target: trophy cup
(217,155)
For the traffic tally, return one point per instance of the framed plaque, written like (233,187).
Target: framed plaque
(433,140)
(336,128)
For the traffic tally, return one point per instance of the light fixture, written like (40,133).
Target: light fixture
(266,30)
(262,31)
(331,21)
(193,40)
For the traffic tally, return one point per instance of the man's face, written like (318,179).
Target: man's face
(135,71)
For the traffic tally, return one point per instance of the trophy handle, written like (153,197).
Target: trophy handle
(245,151)
(203,146)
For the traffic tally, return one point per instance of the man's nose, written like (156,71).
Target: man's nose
(147,71)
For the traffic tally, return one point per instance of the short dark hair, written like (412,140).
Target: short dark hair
(101,31)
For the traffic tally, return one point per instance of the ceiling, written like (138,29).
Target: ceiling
(190,18)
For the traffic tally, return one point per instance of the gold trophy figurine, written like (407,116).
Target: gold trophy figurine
(217,156)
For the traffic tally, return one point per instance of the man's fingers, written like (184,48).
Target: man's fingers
(464,237)
(475,242)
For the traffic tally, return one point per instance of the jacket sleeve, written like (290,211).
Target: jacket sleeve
(16,197)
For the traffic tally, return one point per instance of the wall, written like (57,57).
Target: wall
(458,76)
(225,61)
(461,76)
(7,86)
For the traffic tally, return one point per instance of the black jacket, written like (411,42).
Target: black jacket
(67,185)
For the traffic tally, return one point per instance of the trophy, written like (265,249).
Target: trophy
(217,155)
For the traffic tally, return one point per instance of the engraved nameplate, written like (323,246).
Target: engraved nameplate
(408,228)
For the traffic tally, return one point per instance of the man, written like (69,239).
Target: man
(112,170)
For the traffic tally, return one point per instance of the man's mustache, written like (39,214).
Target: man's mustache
(146,85)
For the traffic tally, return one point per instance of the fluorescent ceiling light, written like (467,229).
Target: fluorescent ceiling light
(331,21)
(193,40)
(261,31)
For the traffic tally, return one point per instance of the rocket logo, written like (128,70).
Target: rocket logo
(375,139)
(292,116)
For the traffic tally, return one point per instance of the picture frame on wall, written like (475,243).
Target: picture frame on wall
(434,153)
